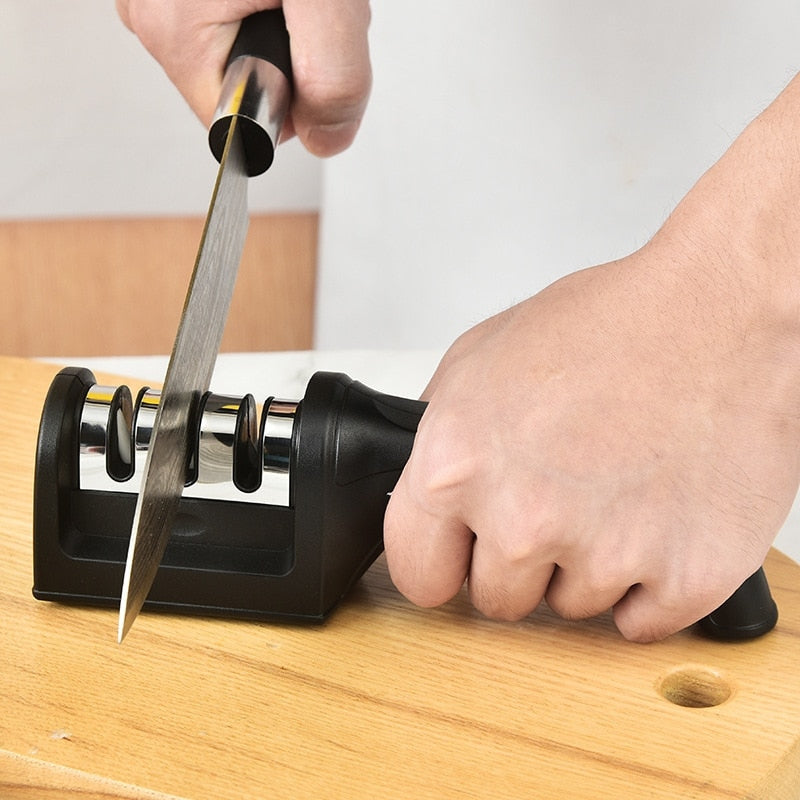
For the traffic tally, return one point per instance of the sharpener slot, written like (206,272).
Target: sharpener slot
(119,455)
(106,444)
(144,420)
(246,472)
(231,482)
(277,428)
(234,459)
(218,427)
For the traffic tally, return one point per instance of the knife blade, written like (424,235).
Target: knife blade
(253,103)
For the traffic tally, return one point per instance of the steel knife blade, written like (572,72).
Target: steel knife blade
(255,98)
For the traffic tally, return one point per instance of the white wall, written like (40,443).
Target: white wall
(509,143)
(505,143)
(91,126)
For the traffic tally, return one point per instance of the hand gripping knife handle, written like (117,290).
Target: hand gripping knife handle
(256,89)
(344,450)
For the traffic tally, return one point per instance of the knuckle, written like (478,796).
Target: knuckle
(652,613)
(440,465)
(516,547)
(336,98)
(590,598)
(604,580)
(531,537)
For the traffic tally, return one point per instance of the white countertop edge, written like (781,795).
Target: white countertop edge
(284,374)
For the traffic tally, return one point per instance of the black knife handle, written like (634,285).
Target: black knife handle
(264,36)
(256,89)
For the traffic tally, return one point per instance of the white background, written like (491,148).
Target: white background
(509,143)
(505,144)
(92,127)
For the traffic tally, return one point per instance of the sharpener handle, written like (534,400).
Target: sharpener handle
(748,613)
(375,434)
(257,89)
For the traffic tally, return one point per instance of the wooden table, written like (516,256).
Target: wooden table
(384,700)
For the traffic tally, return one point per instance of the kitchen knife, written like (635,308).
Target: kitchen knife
(253,103)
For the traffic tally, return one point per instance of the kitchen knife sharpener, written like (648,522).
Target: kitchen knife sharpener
(281,515)
(277,520)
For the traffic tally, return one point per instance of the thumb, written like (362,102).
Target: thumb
(332,73)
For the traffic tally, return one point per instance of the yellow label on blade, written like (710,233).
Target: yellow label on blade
(236,97)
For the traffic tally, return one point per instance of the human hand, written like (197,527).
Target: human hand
(191,39)
(629,438)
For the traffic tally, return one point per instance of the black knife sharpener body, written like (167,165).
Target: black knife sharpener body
(292,560)
(229,558)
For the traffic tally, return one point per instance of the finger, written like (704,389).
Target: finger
(643,615)
(581,594)
(506,585)
(677,598)
(123,13)
(190,41)
(332,73)
(428,556)
(647,614)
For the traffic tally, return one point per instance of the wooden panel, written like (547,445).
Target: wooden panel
(384,700)
(117,286)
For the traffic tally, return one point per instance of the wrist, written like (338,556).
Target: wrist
(738,229)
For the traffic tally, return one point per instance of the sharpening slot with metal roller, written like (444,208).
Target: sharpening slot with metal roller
(283,506)
(279,518)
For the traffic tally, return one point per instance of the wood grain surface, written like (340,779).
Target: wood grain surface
(117,286)
(383,701)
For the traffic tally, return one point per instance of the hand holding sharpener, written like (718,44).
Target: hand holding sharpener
(282,512)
